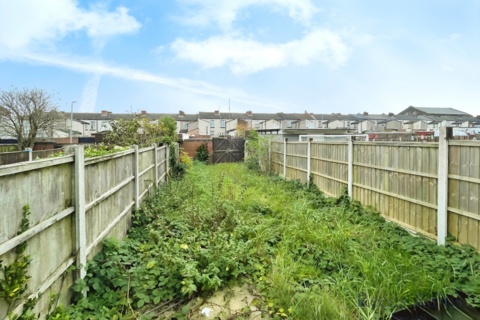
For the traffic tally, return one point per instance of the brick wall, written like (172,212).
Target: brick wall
(190,146)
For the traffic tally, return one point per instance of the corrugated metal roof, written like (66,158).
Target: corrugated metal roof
(440,111)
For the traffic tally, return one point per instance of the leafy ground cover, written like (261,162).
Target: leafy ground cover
(306,255)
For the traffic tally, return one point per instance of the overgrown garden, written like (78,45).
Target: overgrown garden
(306,256)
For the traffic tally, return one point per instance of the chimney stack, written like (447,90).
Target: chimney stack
(249,113)
(391,114)
(104,113)
(181,113)
(144,113)
(365,113)
(217,112)
(306,112)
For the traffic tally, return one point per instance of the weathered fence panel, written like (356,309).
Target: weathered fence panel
(464,192)
(399,179)
(48,186)
(329,165)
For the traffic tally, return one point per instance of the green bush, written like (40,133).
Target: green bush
(202,154)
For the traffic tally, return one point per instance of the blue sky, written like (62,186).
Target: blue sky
(264,55)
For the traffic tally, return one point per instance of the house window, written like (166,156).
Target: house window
(289,123)
(185,125)
(319,123)
(222,123)
(257,124)
(212,132)
(212,123)
(348,124)
(92,125)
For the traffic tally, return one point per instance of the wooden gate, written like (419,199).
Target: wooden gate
(228,150)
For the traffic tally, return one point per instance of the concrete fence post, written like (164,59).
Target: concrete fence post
(245,151)
(136,188)
(285,158)
(155,157)
(442,213)
(79,196)
(167,165)
(309,146)
(350,168)
(269,156)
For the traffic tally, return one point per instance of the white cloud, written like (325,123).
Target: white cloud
(224,12)
(248,56)
(454,36)
(89,94)
(27,21)
(199,87)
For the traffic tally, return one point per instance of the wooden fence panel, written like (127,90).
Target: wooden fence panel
(399,180)
(48,187)
(277,157)
(147,167)
(100,178)
(296,161)
(329,166)
(464,193)
(48,191)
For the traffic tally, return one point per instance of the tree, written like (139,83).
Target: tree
(28,113)
(168,128)
(133,130)
(241,128)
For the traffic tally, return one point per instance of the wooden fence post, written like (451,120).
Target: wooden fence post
(308,159)
(350,168)
(285,158)
(442,213)
(156,163)
(136,188)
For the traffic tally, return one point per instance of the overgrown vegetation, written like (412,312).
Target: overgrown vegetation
(139,130)
(92,151)
(310,257)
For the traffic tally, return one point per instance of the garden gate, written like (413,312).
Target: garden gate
(228,150)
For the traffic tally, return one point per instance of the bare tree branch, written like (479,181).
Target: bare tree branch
(25,114)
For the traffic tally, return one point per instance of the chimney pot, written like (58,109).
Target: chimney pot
(144,113)
(104,113)
(217,112)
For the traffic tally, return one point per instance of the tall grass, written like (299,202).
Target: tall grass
(309,256)
(326,257)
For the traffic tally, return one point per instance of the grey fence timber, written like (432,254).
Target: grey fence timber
(75,204)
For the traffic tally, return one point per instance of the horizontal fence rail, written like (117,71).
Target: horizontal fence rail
(430,188)
(75,203)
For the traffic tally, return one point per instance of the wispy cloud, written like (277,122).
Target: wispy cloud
(248,56)
(199,87)
(224,12)
(89,94)
(37,22)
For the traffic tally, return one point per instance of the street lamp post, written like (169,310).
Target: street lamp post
(71,122)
